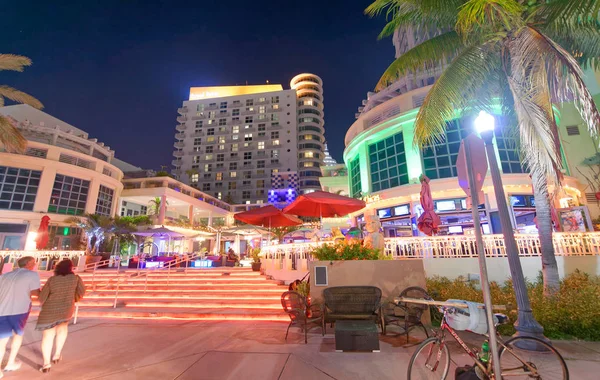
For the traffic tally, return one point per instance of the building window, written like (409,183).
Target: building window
(387,160)
(246,183)
(219,176)
(235,129)
(220,157)
(200,107)
(260,164)
(210,132)
(223,105)
(275,142)
(196,159)
(507,150)
(234,148)
(233,166)
(210,139)
(260,183)
(246,194)
(207,176)
(275,99)
(248,120)
(212,114)
(439,160)
(275,106)
(208,157)
(69,195)
(207,168)
(222,122)
(235,112)
(261,145)
(104,202)
(194,178)
(249,102)
(247,155)
(18,188)
(206,187)
(198,141)
(221,139)
(198,124)
(209,149)
(275,135)
(275,153)
(248,137)
(232,185)
(274,117)
(355,188)
(222,147)
(261,109)
(233,156)
(219,195)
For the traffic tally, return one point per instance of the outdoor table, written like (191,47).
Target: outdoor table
(356,335)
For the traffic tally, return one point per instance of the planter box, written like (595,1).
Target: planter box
(391,276)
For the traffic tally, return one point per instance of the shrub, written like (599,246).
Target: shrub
(346,251)
(574,312)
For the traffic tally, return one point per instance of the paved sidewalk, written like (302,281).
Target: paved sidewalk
(129,349)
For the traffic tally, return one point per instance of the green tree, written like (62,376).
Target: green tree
(95,227)
(155,205)
(522,56)
(10,137)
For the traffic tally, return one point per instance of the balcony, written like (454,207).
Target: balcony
(261,153)
(248,166)
(197,134)
(180,136)
(248,112)
(181,127)
(198,117)
(182,118)
(276,127)
(221,133)
(178,153)
(182,110)
(204,159)
(179,144)
(176,163)
(247,148)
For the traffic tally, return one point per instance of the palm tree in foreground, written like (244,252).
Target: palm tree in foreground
(10,137)
(518,56)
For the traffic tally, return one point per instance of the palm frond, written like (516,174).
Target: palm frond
(582,40)
(488,15)
(19,97)
(569,11)
(424,56)
(14,62)
(10,137)
(455,90)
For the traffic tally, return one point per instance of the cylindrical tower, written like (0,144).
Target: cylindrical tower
(311,130)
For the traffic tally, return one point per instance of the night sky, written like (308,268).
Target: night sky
(120,69)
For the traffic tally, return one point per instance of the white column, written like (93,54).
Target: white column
(210,218)
(92,198)
(42,199)
(163,209)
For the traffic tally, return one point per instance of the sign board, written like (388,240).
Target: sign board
(478,162)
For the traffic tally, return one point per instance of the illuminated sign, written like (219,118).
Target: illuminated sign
(198,93)
(371,199)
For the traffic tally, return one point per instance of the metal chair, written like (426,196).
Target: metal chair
(300,313)
(405,314)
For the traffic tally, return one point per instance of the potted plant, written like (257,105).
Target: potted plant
(255,255)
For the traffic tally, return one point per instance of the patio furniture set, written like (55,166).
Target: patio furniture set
(356,312)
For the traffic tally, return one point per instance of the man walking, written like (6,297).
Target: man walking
(16,289)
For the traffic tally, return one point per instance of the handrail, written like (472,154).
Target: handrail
(167,267)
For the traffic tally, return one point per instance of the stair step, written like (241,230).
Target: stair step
(187,297)
(182,314)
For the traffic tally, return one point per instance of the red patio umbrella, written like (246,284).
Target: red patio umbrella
(429,221)
(41,240)
(268,216)
(323,204)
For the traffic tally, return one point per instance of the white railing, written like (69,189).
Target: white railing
(45,257)
(296,256)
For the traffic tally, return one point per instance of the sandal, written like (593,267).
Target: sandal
(57,360)
(14,367)
(46,368)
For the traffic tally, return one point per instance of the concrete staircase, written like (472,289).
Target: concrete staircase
(198,294)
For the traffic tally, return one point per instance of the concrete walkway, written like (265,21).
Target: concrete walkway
(129,349)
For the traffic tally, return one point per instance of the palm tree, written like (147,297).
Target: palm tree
(95,227)
(190,173)
(155,205)
(10,136)
(518,56)
(281,232)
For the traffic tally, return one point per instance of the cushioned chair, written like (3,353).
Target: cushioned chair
(406,315)
(300,313)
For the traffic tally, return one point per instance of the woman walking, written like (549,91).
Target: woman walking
(58,297)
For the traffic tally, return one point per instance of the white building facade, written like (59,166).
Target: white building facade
(63,173)
(231,139)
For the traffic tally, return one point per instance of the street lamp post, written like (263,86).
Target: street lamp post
(526,323)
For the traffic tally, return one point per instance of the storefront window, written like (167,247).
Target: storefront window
(387,160)
(439,160)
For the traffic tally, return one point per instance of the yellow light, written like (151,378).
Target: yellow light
(197,93)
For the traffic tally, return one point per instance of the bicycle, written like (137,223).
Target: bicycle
(521,357)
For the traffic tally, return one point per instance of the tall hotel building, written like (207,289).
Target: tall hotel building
(237,142)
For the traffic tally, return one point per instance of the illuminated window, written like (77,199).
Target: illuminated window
(274,117)
(69,194)
(234,147)
(210,122)
(232,174)
(249,109)
(200,107)
(261,109)
(210,139)
(260,183)
(197,149)
(209,157)
(194,178)
(212,114)
(308,164)
(208,168)
(248,137)
(219,177)
(308,154)
(262,100)
(235,129)
(387,160)
(355,188)
(275,142)
(221,139)
(274,171)
(275,106)
(221,147)
(235,137)
(275,153)
(232,185)
(219,195)
(261,145)
(196,159)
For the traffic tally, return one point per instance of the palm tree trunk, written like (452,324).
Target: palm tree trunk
(544,225)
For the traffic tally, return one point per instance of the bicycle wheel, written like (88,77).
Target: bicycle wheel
(531,358)
(430,361)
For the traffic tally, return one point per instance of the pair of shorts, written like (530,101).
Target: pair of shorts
(12,323)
